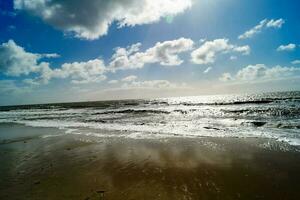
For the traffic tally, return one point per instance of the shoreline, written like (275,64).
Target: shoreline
(79,167)
(87,132)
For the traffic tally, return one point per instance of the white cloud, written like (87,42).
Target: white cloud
(289,47)
(226,77)
(15,61)
(261,72)
(252,72)
(262,25)
(245,50)
(113,81)
(51,55)
(255,30)
(295,62)
(275,23)
(207,70)
(202,40)
(165,53)
(91,71)
(129,78)
(45,74)
(207,52)
(91,19)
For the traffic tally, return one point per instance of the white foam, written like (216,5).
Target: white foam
(49,136)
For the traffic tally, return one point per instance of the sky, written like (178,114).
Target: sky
(62,51)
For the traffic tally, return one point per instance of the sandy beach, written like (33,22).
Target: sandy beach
(149,100)
(65,166)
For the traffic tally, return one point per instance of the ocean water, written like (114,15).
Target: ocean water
(267,115)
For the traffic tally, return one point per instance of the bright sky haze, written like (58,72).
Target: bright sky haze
(60,50)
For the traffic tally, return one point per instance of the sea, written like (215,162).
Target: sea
(265,115)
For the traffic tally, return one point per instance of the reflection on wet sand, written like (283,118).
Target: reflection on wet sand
(68,167)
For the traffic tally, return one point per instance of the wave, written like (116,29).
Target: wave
(133,111)
(288,126)
(196,101)
(216,128)
(265,111)
(241,116)
(264,101)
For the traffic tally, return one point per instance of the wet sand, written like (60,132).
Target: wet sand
(84,167)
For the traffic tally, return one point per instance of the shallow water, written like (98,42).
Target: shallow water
(268,115)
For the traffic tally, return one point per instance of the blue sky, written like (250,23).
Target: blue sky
(53,51)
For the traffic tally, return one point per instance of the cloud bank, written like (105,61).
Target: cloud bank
(261,72)
(91,19)
(165,53)
(15,61)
